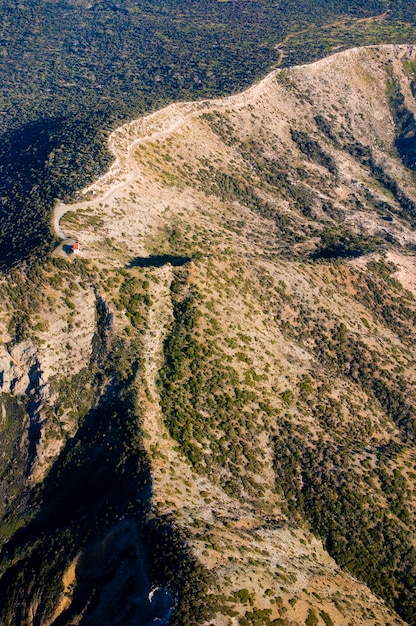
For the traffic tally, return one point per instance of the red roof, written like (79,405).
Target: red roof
(75,246)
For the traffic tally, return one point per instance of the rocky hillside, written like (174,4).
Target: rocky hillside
(208,414)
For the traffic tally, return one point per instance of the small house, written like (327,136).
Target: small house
(75,248)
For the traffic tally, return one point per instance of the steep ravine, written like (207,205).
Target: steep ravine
(92,515)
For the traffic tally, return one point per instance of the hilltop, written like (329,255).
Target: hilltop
(72,72)
(216,397)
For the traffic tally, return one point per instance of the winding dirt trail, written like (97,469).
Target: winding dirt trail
(124,140)
(158,125)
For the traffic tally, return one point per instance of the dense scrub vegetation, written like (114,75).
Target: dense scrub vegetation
(208,409)
(344,507)
(71,72)
(345,481)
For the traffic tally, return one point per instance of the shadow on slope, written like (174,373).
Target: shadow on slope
(39,162)
(160,260)
(93,510)
(405,125)
(101,476)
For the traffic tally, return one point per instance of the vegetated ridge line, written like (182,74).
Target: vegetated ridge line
(373,18)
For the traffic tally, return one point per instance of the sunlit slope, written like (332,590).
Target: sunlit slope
(238,352)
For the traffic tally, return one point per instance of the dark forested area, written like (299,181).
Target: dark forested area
(72,70)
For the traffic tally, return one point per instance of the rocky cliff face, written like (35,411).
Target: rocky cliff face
(215,399)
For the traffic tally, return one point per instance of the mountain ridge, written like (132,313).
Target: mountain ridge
(237,292)
(185,110)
